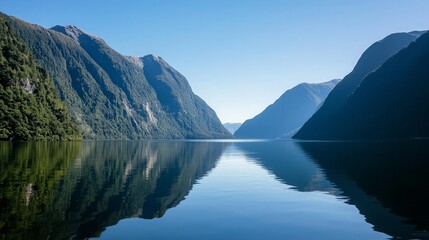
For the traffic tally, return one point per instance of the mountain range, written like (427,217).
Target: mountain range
(384,97)
(112,96)
(64,84)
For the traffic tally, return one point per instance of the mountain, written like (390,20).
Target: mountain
(288,113)
(320,125)
(192,115)
(112,96)
(30,108)
(232,127)
(392,102)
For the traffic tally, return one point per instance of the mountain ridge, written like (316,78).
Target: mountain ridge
(109,94)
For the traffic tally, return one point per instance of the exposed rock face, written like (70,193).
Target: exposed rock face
(27,85)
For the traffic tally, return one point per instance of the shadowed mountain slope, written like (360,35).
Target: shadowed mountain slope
(322,122)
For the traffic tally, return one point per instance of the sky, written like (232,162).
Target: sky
(239,56)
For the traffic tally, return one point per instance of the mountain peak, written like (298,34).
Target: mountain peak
(73,28)
(73,32)
(69,30)
(139,61)
(156,60)
(152,57)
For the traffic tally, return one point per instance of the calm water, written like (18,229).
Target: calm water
(214,190)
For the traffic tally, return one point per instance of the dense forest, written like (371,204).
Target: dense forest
(30,108)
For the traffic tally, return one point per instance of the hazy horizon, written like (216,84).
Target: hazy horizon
(257,50)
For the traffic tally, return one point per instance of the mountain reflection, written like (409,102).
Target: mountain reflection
(76,190)
(387,182)
(289,164)
(393,174)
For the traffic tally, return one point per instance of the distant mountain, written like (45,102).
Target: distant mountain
(288,113)
(30,108)
(232,127)
(112,96)
(391,102)
(322,123)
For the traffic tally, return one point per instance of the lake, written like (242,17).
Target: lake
(214,190)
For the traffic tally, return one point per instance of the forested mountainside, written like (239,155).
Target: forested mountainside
(30,108)
(112,96)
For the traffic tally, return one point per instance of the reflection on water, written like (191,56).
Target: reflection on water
(289,164)
(77,190)
(387,182)
(30,173)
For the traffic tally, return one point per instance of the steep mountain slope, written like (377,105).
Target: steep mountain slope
(232,127)
(288,113)
(392,102)
(110,95)
(175,96)
(317,126)
(30,108)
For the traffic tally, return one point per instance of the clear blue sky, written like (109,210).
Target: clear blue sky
(239,56)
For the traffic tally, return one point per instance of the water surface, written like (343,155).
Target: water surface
(214,190)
